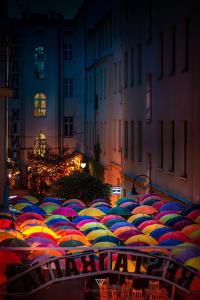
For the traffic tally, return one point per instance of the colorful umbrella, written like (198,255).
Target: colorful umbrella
(170,243)
(113,221)
(56,217)
(100,204)
(119,211)
(140,220)
(104,244)
(65,232)
(39,229)
(137,216)
(92,225)
(124,229)
(34,209)
(172,206)
(31,199)
(65,211)
(157,233)
(190,208)
(97,233)
(180,224)
(29,215)
(166,218)
(81,218)
(8,257)
(119,225)
(14,242)
(91,211)
(159,204)
(123,236)
(70,201)
(110,217)
(164,213)
(20,206)
(174,235)
(150,228)
(81,223)
(107,238)
(71,243)
(141,238)
(74,237)
(144,209)
(187,254)
(104,209)
(188,230)
(147,223)
(194,263)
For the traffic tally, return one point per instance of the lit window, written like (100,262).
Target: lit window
(40,62)
(40,105)
(68,126)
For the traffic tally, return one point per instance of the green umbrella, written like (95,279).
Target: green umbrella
(119,211)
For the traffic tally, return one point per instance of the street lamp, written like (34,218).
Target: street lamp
(133,190)
(83,165)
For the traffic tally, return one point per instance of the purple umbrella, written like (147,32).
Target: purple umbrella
(179,225)
(173,206)
(187,254)
(163,213)
(65,211)
(123,236)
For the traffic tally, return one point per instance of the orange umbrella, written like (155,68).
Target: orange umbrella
(190,228)
(144,209)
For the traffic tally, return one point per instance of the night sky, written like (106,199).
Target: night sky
(66,7)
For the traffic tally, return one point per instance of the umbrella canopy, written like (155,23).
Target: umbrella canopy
(170,243)
(14,242)
(197,220)
(48,208)
(113,221)
(100,204)
(99,200)
(196,240)
(91,211)
(151,196)
(29,215)
(140,220)
(190,208)
(74,237)
(56,217)
(70,201)
(34,209)
(172,206)
(157,233)
(104,244)
(144,209)
(164,213)
(188,230)
(119,211)
(150,228)
(147,223)
(9,257)
(168,217)
(81,223)
(194,214)
(137,216)
(158,204)
(97,233)
(39,229)
(5,223)
(31,222)
(20,206)
(194,263)
(141,238)
(77,207)
(110,217)
(65,211)
(124,200)
(107,238)
(119,225)
(92,225)
(174,235)
(123,236)
(81,218)
(10,233)
(71,243)
(180,224)
(103,208)
(51,200)
(31,199)
(194,234)
(65,232)
(184,255)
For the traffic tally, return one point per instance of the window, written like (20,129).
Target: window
(172,49)
(114,134)
(40,62)
(139,140)
(68,127)
(160,55)
(161,144)
(67,52)
(132,66)
(125,69)
(139,64)
(132,140)
(148,109)
(40,105)
(185,132)
(115,77)
(172,146)
(186,43)
(68,87)
(126,139)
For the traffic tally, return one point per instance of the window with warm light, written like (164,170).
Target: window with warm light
(40,105)
(40,145)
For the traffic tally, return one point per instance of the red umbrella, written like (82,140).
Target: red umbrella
(147,223)
(9,257)
(29,215)
(174,235)
(65,211)
(5,223)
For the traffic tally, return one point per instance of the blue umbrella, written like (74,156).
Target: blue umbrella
(52,200)
(33,209)
(150,201)
(103,208)
(92,229)
(131,206)
(81,218)
(172,206)
(55,221)
(172,221)
(170,243)
(160,231)
(112,222)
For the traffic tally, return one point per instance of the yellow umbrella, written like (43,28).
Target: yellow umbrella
(31,198)
(92,212)
(104,244)
(5,236)
(11,233)
(92,224)
(135,217)
(20,206)
(141,238)
(144,209)
(193,262)
(31,222)
(150,228)
(39,229)
(97,233)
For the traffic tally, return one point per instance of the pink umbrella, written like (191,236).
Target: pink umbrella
(65,211)
(123,236)
(194,214)
(83,222)
(147,223)
(157,205)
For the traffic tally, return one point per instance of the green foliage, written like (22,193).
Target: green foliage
(82,186)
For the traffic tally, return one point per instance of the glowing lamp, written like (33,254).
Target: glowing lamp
(83,165)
